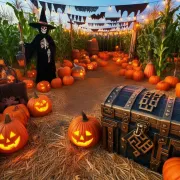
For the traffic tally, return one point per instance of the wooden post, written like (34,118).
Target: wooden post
(133,40)
(71,32)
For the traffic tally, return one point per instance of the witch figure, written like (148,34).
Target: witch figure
(44,47)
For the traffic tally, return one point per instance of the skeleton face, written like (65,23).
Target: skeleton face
(43,29)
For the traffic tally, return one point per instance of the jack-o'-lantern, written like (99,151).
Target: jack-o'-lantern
(39,105)
(43,86)
(95,65)
(84,131)
(78,72)
(31,73)
(90,66)
(10,78)
(29,83)
(94,57)
(13,135)
(76,61)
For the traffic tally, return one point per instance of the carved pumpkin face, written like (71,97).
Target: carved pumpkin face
(90,66)
(10,79)
(29,83)
(78,72)
(13,135)
(84,131)
(31,73)
(39,105)
(43,86)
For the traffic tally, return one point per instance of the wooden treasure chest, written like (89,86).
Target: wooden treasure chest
(141,124)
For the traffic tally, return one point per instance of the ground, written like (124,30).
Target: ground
(49,155)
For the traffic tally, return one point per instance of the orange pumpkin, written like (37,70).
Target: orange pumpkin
(31,73)
(78,72)
(138,75)
(43,86)
(135,63)
(19,112)
(67,63)
(177,89)
(39,105)
(76,61)
(122,72)
(90,66)
(13,135)
(68,80)
(124,65)
(56,83)
(149,70)
(95,65)
(119,62)
(172,80)
(128,67)
(163,86)
(129,74)
(84,131)
(10,79)
(94,57)
(154,79)
(29,83)
(137,68)
(64,71)
(171,169)
(102,63)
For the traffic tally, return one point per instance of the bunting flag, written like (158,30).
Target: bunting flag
(79,23)
(98,16)
(43,4)
(35,3)
(76,17)
(113,18)
(49,6)
(61,6)
(121,23)
(96,24)
(86,8)
(131,8)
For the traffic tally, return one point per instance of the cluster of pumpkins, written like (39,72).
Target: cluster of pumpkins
(133,70)
(14,119)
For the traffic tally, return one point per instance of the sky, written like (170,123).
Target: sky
(109,13)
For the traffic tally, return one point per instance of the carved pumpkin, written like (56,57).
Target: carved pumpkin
(19,112)
(64,71)
(84,131)
(149,70)
(163,86)
(10,79)
(13,135)
(94,57)
(119,62)
(122,72)
(78,72)
(129,74)
(138,75)
(67,63)
(90,66)
(171,169)
(29,83)
(154,79)
(172,80)
(43,86)
(39,105)
(177,89)
(31,73)
(68,80)
(56,83)
(76,61)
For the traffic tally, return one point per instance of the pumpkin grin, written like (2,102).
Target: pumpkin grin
(42,108)
(80,143)
(10,146)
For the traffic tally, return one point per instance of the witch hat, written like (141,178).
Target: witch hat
(42,21)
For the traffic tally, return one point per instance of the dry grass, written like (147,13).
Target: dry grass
(49,155)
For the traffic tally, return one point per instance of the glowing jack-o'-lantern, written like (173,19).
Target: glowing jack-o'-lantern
(78,72)
(13,135)
(29,83)
(10,79)
(31,73)
(84,131)
(90,66)
(39,105)
(43,86)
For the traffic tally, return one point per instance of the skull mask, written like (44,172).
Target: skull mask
(44,29)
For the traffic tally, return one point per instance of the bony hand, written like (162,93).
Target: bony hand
(21,43)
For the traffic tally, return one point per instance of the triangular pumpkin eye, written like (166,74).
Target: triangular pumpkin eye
(1,137)
(44,101)
(76,133)
(12,134)
(88,133)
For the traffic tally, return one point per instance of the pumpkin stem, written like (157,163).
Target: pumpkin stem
(16,108)
(7,119)
(35,95)
(85,118)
